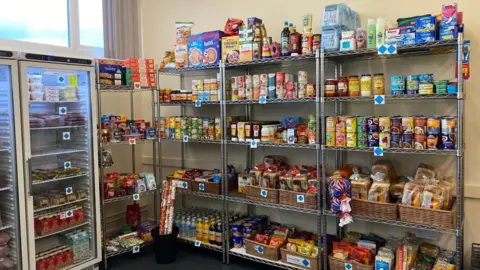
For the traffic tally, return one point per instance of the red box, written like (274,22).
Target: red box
(142,69)
(143,75)
(132,62)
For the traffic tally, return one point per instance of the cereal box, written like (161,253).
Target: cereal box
(181,56)
(212,47)
(230,49)
(195,50)
(246,51)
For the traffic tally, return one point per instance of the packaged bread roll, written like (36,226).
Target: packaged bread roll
(396,190)
(434,196)
(449,184)
(412,194)
(271,180)
(360,184)
(424,173)
(379,192)
(384,171)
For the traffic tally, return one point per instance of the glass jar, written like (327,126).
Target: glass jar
(330,88)
(342,86)
(265,137)
(366,85)
(353,86)
(378,84)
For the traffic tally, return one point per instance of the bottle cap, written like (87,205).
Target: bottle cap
(285,23)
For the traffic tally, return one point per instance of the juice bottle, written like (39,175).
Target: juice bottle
(211,233)
(199,230)
(206,227)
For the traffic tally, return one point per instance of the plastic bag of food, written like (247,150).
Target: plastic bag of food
(412,245)
(379,192)
(360,186)
(396,190)
(412,194)
(271,180)
(429,250)
(384,171)
(433,196)
(440,265)
(449,184)
(424,173)
(341,250)
(232,27)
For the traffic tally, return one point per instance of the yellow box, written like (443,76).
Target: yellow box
(230,49)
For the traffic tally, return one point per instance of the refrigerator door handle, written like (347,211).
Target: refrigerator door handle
(30,184)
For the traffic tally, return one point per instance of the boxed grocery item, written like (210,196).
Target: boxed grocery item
(140,63)
(195,50)
(246,33)
(183,30)
(212,47)
(246,51)
(108,71)
(230,49)
(425,29)
(400,35)
(448,22)
(181,56)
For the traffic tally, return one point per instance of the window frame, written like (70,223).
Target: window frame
(75,49)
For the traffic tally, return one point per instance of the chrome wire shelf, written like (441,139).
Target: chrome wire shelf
(62,127)
(242,253)
(202,245)
(62,231)
(187,103)
(395,150)
(59,205)
(175,71)
(192,141)
(39,182)
(272,101)
(393,98)
(5,188)
(121,251)
(123,88)
(398,223)
(272,205)
(6,227)
(200,194)
(271,60)
(145,141)
(129,197)
(53,102)
(284,145)
(56,152)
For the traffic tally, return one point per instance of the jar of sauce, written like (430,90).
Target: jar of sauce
(353,86)
(342,87)
(366,85)
(296,43)
(330,88)
(378,84)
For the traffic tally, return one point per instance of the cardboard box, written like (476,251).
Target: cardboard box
(448,23)
(195,50)
(246,51)
(181,56)
(246,33)
(110,69)
(425,29)
(138,62)
(230,49)
(212,47)
(110,62)
(400,35)
(133,70)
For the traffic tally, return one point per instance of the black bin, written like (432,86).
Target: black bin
(165,246)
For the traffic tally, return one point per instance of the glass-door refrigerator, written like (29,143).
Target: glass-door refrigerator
(12,255)
(61,161)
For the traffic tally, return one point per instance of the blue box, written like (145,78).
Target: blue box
(400,35)
(425,29)
(212,47)
(195,50)
(110,69)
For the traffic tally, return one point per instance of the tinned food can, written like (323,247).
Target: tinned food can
(407,124)
(340,139)
(420,141)
(171,122)
(373,139)
(331,123)
(362,124)
(351,139)
(407,140)
(373,123)
(351,124)
(432,141)
(420,125)
(362,139)
(395,140)
(433,125)
(448,125)
(384,140)
(384,124)
(448,141)
(330,138)
(396,124)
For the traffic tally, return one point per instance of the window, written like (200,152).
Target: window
(67,27)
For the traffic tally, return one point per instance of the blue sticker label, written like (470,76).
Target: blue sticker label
(379,99)
(300,198)
(201,187)
(378,151)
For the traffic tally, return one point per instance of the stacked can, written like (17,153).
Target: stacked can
(194,90)
(396,132)
(362,132)
(384,126)
(412,85)
(249,87)
(271,86)
(280,82)
(264,85)
(207,88)
(302,84)
(425,86)
(449,125)
(433,132)
(340,131)
(241,83)
(256,87)
(373,128)
(351,129)
(331,125)
(398,85)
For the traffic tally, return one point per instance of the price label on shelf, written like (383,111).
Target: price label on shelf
(263,193)
(253,144)
(378,151)
(262,100)
(61,79)
(259,249)
(66,214)
(198,103)
(132,140)
(379,100)
(348,266)
(137,86)
(197,243)
(62,110)
(201,187)
(300,198)
(185,138)
(136,197)
(387,49)
(136,249)
(67,165)
(66,135)
(68,190)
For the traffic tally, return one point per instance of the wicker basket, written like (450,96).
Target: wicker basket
(288,197)
(213,188)
(183,184)
(429,217)
(374,209)
(262,250)
(269,195)
(338,264)
(297,259)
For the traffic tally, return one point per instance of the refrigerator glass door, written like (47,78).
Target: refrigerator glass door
(9,173)
(61,164)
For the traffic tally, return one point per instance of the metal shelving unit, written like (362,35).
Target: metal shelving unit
(322,151)
(110,91)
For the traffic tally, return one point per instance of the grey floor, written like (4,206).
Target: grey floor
(188,257)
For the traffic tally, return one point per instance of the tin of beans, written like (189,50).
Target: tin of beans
(384,140)
(407,140)
(373,124)
(362,124)
(396,124)
(384,124)
(340,139)
(351,139)
(362,139)
(351,124)
(420,141)
(448,125)
(395,140)
(433,125)
(432,141)
(407,124)
(420,125)
(330,138)
(373,139)
(331,123)
(448,141)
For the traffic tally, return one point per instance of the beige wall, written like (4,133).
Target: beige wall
(158,31)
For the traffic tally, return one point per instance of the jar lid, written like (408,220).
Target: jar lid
(366,75)
(378,74)
(353,76)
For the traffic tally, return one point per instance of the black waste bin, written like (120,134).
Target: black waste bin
(165,246)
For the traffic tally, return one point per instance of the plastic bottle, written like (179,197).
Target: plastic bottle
(206,227)
(199,230)
(371,36)
(285,38)
(291,28)
(380,32)
(211,233)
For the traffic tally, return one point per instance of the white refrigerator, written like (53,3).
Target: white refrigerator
(60,193)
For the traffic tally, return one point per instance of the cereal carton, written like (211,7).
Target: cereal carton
(230,49)
(212,47)
(195,50)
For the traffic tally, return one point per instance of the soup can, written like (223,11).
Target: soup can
(407,140)
(373,139)
(373,124)
(351,124)
(433,125)
(407,124)
(395,140)
(420,125)
(384,140)
(362,139)
(351,139)
(341,125)
(256,81)
(362,124)
(330,138)
(448,141)
(340,139)
(420,141)
(331,123)
(448,125)
(432,141)
(396,125)
(384,124)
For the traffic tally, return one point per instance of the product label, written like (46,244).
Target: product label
(382,265)
(298,260)
(285,45)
